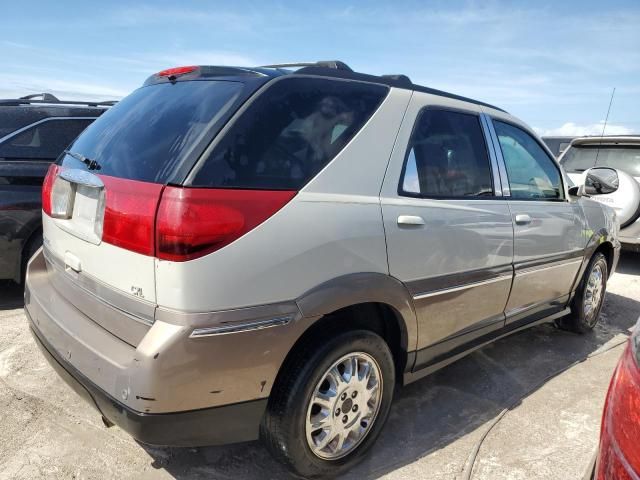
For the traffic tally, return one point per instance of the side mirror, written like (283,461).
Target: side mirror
(601,181)
(576,191)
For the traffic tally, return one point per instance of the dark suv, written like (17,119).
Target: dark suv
(34,130)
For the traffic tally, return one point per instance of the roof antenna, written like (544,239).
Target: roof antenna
(604,126)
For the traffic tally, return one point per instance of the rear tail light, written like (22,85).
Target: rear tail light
(47,187)
(62,197)
(129,214)
(172,223)
(619,457)
(193,222)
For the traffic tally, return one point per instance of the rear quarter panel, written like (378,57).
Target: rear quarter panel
(333,227)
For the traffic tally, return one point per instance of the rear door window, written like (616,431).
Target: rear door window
(148,134)
(44,141)
(447,157)
(289,133)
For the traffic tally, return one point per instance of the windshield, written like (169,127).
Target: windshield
(151,132)
(625,158)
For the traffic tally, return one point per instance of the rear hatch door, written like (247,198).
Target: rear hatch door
(101,197)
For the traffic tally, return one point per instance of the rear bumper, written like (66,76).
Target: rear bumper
(210,426)
(171,388)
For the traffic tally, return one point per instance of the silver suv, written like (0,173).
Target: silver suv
(241,253)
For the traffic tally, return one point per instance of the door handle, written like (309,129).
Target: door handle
(410,220)
(523,219)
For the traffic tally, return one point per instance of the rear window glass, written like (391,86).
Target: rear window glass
(149,133)
(45,140)
(289,133)
(625,158)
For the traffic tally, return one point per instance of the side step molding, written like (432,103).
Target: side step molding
(410,377)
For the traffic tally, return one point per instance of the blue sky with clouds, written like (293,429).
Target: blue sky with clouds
(553,64)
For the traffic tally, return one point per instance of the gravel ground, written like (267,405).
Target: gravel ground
(550,431)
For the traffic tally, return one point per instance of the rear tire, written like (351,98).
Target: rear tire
(322,417)
(589,297)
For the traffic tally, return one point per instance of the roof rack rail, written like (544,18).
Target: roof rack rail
(400,79)
(48,99)
(45,97)
(336,64)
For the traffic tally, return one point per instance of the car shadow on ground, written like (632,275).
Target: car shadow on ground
(11,295)
(433,412)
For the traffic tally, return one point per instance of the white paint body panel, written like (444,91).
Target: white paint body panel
(310,241)
(333,227)
(111,265)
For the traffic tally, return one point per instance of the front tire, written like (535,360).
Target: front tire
(330,403)
(588,300)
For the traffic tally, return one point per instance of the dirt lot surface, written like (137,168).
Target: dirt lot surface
(551,432)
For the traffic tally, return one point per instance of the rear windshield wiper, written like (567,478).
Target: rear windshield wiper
(91,164)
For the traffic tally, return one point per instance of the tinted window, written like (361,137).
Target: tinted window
(578,159)
(447,157)
(13,118)
(46,140)
(147,134)
(532,173)
(289,133)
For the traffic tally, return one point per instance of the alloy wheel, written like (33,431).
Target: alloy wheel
(344,406)
(593,294)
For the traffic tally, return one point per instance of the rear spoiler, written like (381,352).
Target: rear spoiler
(610,140)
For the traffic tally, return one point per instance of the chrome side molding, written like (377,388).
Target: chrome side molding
(466,286)
(241,327)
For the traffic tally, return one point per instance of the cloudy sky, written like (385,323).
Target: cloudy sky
(553,64)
